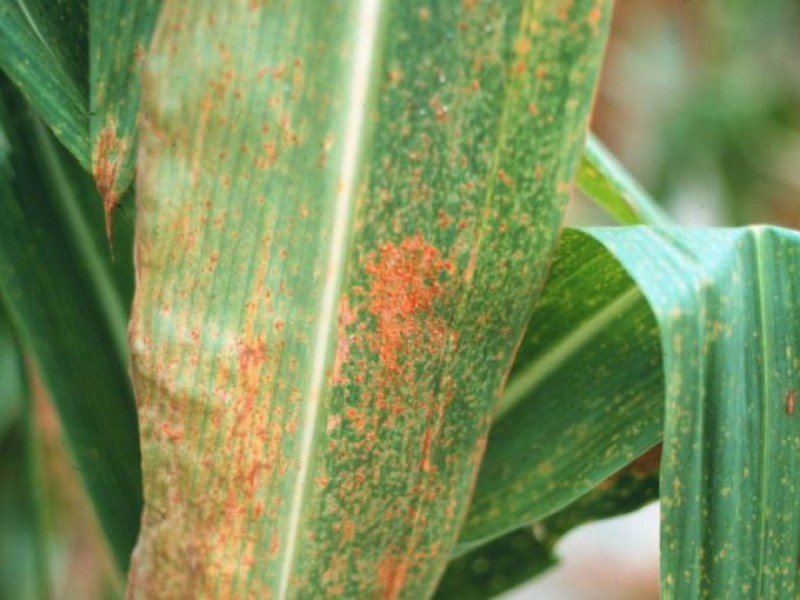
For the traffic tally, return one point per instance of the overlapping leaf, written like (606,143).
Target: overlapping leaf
(23,566)
(515,557)
(605,181)
(727,302)
(584,400)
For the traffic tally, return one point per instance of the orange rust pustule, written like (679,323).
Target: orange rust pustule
(392,573)
(109,153)
(405,285)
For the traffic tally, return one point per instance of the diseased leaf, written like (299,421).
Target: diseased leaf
(44,50)
(120,33)
(329,205)
(585,397)
(727,304)
(605,181)
(65,300)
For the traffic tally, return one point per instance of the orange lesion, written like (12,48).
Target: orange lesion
(109,154)
(392,573)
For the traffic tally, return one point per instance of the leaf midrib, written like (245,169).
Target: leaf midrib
(359,101)
(546,364)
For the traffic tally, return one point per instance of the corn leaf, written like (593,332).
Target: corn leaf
(585,397)
(120,33)
(329,205)
(44,50)
(606,182)
(727,304)
(64,298)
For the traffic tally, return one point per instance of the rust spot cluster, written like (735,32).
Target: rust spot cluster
(405,285)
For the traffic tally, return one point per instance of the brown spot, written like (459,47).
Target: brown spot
(647,463)
(424,13)
(505,178)
(395,75)
(443,220)
(424,463)
(522,46)
(109,153)
(541,72)
(171,434)
(438,108)
(789,402)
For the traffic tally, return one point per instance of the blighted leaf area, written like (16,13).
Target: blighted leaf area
(109,153)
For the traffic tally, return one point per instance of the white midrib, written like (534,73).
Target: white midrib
(366,29)
(28,17)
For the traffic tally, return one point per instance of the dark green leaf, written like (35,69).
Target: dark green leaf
(524,553)
(44,50)
(57,284)
(496,567)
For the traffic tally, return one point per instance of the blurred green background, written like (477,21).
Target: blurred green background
(700,100)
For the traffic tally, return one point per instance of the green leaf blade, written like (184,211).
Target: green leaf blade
(727,304)
(44,50)
(605,181)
